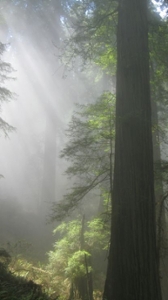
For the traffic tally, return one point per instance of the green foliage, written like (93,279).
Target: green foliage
(65,247)
(93,37)
(89,149)
(67,259)
(5,94)
(97,235)
(77,265)
(23,279)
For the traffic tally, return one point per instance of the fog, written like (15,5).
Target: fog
(48,79)
(45,94)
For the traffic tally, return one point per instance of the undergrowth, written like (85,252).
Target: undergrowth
(14,287)
(17,280)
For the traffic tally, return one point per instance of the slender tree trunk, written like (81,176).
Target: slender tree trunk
(132,268)
(50,147)
(84,283)
(49,172)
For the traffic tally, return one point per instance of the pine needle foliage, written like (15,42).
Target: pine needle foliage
(68,260)
(5,94)
(90,31)
(89,148)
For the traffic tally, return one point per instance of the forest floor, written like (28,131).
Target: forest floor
(14,287)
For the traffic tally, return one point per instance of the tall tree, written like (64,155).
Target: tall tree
(90,152)
(132,268)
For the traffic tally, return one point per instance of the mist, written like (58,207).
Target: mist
(83,155)
(46,91)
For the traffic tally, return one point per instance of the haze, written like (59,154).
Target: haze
(45,95)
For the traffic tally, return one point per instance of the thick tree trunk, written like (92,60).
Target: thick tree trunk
(132,268)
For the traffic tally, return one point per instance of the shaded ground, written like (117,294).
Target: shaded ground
(17,288)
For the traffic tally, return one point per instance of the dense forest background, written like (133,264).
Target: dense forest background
(83,170)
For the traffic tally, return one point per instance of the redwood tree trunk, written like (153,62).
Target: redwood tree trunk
(132,268)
